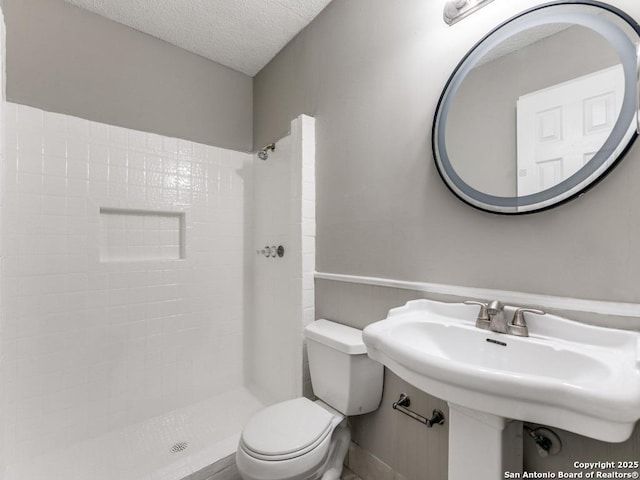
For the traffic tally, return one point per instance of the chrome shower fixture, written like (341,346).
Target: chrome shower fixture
(263,154)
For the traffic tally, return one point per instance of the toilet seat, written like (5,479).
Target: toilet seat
(287,430)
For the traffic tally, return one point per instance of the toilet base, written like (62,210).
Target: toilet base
(337,454)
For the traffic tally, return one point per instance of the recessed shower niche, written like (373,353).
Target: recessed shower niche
(128,235)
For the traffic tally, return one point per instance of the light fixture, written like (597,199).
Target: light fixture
(456,10)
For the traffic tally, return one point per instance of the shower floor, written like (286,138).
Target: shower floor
(153,449)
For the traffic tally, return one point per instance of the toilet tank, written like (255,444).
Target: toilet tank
(342,374)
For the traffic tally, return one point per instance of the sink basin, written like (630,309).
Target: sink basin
(577,377)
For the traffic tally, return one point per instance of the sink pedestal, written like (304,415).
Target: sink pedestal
(482,446)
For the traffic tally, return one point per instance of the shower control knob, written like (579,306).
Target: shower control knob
(272,251)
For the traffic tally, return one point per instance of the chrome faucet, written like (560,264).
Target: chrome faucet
(492,317)
(497,320)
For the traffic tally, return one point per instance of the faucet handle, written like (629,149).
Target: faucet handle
(483,319)
(518,325)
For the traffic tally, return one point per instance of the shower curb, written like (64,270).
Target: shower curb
(224,469)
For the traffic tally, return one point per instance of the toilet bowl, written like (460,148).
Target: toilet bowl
(301,439)
(288,441)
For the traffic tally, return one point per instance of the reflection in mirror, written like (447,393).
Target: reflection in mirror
(525,117)
(507,101)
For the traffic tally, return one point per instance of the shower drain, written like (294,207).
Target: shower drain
(179,447)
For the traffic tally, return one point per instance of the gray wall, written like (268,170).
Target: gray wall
(63,59)
(371,71)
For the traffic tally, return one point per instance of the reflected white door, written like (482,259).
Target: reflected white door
(561,127)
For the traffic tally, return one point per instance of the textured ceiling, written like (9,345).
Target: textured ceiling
(241,34)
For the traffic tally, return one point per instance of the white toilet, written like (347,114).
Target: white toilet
(304,440)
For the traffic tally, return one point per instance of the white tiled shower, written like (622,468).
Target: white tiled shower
(128,284)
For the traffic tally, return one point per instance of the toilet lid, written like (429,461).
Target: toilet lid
(286,428)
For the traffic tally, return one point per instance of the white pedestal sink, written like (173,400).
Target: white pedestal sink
(577,377)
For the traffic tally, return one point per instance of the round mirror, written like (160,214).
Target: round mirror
(541,109)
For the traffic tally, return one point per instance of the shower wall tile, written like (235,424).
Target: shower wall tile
(90,346)
(283,294)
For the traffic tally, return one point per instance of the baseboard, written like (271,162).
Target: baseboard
(367,466)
